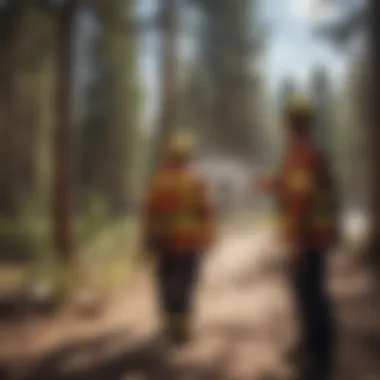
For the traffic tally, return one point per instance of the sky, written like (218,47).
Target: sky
(292,49)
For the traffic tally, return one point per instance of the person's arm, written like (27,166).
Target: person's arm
(268,184)
(301,192)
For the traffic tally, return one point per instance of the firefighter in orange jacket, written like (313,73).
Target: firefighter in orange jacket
(178,229)
(307,205)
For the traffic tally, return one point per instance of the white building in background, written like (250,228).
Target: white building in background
(230,182)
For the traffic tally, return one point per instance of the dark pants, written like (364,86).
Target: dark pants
(312,301)
(177,276)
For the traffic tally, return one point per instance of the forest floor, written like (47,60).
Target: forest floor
(243,326)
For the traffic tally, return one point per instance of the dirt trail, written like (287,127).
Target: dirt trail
(244,323)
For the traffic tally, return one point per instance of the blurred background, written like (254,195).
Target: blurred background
(90,91)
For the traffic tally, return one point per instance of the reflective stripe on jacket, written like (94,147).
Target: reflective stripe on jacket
(307,199)
(178,212)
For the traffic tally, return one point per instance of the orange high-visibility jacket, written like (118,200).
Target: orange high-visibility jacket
(307,199)
(178,213)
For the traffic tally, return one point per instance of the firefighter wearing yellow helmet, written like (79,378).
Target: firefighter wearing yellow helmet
(298,106)
(178,230)
(181,144)
(304,190)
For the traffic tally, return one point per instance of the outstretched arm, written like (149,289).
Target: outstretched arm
(267,184)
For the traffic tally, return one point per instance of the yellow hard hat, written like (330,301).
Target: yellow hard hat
(299,105)
(181,143)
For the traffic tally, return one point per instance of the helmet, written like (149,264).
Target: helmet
(298,106)
(181,144)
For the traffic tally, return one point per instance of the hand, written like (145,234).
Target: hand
(264,184)
(295,253)
(147,249)
(147,257)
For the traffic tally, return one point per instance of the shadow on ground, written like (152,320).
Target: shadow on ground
(147,360)
(21,306)
(115,356)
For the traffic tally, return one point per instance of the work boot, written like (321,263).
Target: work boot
(178,329)
(300,360)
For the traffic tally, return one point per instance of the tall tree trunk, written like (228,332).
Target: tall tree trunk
(63,186)
(227,55)
(168,100)
(7,193)
(33,35)
(113,135)
(374,132)
(8,206)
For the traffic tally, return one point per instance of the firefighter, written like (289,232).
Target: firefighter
(305,194)
(178,230)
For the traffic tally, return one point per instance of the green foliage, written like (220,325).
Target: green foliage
(352,21)
(107,140)
(95,218)
(110,256)
(231,43)
(25,238)
(14,242)
(323,102)
(28,237)
(354,133)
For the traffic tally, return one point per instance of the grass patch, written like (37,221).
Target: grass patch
(109,259)
(105,250)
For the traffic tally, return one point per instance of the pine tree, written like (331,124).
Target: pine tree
(9,19)
(63,173)
(34,67)
(323,102)
(227,52)
(118,91)
(168,108)
(374,132)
